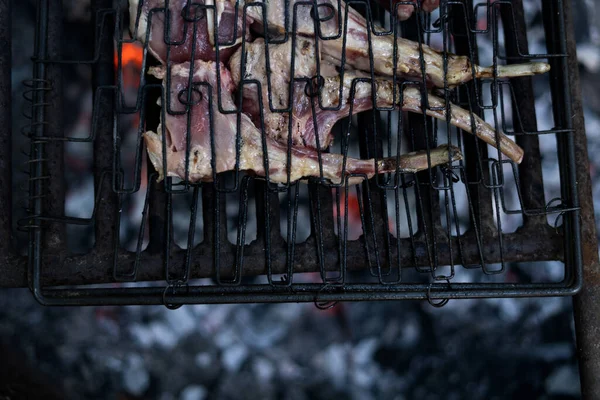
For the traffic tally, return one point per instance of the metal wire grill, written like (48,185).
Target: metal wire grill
(435,235)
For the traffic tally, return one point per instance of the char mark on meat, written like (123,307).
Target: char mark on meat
(191,148)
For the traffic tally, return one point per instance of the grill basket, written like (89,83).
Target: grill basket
(479,227)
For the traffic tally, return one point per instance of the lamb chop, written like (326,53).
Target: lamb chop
(191,31)
(276,124)
(197,157)
(315,131)
(357,33)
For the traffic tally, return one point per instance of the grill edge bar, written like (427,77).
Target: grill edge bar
(99,259)
(12,266)
(586,303)
(102,80)
(97,268)
(53,180)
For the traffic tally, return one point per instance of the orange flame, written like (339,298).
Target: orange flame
(353,206)
(131,53)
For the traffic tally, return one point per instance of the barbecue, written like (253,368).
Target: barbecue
(437,161)
(322,152)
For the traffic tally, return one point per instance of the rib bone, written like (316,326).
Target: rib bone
(314,131)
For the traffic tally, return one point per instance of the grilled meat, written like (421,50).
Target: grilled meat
(357,33)
(193,148)
(191,28)
(319,103)
(195,40)
(277,82)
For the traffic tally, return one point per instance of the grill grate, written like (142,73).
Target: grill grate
(442,244)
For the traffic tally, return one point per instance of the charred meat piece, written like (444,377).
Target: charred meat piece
(357,33)
(192,150)
(190,32)
(319,103)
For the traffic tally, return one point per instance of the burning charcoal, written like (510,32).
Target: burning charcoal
(197,161)
(563,382)
(243,385)
(263,369)
(358,41)
(294,391)
(193,392)
(334,361)
(234,356)
(135,375)
(203,360)
(363,352)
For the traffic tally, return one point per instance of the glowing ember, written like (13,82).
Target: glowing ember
(131,53)
(354,221)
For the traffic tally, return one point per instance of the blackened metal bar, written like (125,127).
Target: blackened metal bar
(54,187)
(214,218)
(322,214)
(172,275)
(157,216)
(241,226)
(158,197)
(103,77)
(427,201)
(292,224)
(376,232)
(191,232)
(475,150)
(323,233)
(268,228)
(587,302)
(327,221)
(375,208)
(6,132)
(561,103)
(210,196)
(530,170)
(421,133)
(303,293)
(12,268)
(37,151)
(88,269)
(262,212)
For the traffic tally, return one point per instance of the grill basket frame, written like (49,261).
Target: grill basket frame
(52,265)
